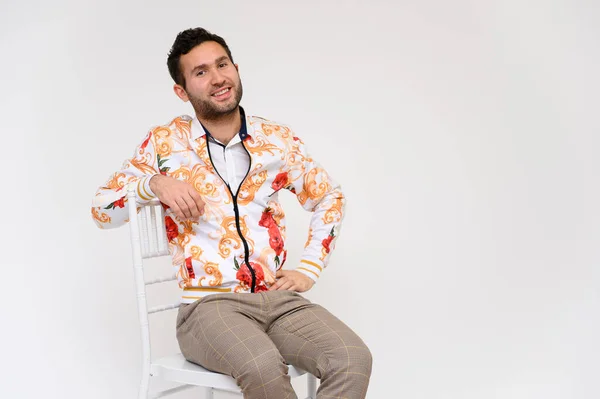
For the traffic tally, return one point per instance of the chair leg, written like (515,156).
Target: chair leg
(144,385)
(311,385)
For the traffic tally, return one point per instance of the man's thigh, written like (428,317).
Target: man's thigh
(216,336)
(315,340)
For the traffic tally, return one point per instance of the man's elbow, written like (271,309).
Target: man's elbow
(102,219)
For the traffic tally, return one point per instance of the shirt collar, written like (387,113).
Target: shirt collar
(199,130)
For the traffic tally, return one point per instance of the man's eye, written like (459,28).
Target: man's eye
(223,65)
(200,73)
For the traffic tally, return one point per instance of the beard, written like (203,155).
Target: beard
(208,110)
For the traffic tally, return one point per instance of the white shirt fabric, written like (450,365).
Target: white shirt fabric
(230,161)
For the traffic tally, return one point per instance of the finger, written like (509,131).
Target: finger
(280,273)
(190,198)
(302,287)
(286,285)
(276,284)
(198,200)
(195,212)
(176,210)
(192,212)
(184,208)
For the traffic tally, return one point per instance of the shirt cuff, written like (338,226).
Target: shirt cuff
(310,269)
(143,190)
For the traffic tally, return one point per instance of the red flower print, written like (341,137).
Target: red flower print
(258,272)
(243,273)
(145,143)
(119,203)
(190,269)
(266,219)
(281,180)
(275,239)
(296,138)
(261,288)
(172,228)
(162,169)
(327,241)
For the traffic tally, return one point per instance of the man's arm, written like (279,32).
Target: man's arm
(143,171)
(108,205)
(318,193)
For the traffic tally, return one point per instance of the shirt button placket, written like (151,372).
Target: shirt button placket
(230,164)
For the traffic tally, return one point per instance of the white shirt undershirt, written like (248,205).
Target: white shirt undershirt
(230,161)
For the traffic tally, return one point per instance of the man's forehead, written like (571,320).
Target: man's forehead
(205,53)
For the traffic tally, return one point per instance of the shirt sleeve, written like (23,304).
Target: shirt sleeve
(318,193)
(108,205)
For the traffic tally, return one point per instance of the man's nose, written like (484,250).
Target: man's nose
(217,79)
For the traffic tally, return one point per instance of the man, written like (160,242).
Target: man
(218,175)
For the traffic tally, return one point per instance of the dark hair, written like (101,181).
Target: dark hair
(184,43)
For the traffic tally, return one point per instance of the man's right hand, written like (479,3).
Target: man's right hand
(180,196)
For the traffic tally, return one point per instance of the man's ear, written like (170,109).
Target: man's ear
(180,92)
(237,67)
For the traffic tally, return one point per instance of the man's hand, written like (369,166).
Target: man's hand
(180,196)
(292,280)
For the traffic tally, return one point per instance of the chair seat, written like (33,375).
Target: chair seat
(176,368)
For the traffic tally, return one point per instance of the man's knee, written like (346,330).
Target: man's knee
(268,368)
(356,359)
(367,359)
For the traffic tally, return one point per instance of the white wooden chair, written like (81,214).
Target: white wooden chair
(148,240)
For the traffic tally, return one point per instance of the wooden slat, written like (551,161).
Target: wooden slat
(152,232)
(143,225)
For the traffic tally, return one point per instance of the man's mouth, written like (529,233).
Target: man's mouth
(221,93)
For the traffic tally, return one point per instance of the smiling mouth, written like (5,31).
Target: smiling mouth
(220,93)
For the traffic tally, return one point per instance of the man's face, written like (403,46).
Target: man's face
(212,82)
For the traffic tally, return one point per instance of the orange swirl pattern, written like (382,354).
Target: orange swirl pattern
(334,213)
(251,185)
(259,146)
(212,269)
(313,189)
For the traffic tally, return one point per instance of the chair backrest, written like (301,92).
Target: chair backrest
(148,240)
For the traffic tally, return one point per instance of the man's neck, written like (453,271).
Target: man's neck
(224,128)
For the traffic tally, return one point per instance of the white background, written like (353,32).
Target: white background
(465,134)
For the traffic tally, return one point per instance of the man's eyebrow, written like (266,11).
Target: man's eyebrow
(217,61)
(197,67)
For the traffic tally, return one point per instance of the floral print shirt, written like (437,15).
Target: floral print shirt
(238,244)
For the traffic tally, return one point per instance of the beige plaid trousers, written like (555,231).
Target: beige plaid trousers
(252,337)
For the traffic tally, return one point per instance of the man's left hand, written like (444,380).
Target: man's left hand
(292,280)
